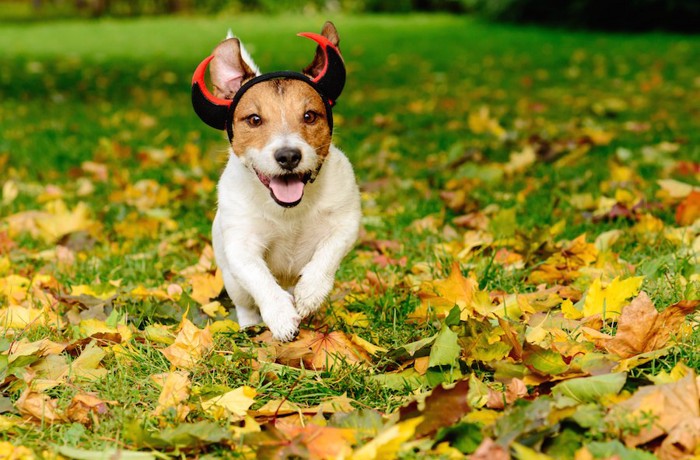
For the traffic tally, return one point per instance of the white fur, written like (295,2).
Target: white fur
(266,251)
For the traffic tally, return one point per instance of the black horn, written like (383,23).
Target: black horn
(212,110)
(331,79)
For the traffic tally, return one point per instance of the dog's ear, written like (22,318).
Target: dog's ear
(329,31)
(230,67)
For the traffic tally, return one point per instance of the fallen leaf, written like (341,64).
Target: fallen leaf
(315,350)
(175,390)
(39,407)
(11,452)
(84,408)
(688,210)
(663,407)
(609,301)
(642,329)
(442,407)
(591,389)
(322,442)
(682,442)
(438,297)
(387,443)
(233,404)
(191,344)
(489,450)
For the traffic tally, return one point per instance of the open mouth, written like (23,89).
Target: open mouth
(287,190)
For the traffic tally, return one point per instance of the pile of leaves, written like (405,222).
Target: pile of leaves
(526,289)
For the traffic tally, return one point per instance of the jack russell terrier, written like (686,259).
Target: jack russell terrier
(288,203)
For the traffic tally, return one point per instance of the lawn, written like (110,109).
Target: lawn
(530,249)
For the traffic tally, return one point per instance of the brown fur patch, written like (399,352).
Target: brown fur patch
(281,104)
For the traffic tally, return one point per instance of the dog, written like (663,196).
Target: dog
(288,202)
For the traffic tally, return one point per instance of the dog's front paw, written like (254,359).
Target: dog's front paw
(310,292)
(282,319)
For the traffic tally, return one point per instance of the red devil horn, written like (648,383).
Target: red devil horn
(331,79)
(212,110)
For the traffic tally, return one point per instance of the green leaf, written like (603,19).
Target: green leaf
(547,362)
(445,350)
(413,350)
(465,437)
(408,379)
(616,449)
(367,423)
(452,318)
(182,436)
(591,389)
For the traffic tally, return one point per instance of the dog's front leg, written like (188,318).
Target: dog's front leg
(316,280)
(248,268)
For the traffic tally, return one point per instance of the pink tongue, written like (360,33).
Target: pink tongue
(287,189)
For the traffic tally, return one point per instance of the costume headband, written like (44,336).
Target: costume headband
(218,113)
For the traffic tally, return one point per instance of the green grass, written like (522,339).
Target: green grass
(111,91)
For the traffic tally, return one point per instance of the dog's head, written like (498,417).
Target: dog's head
(279,124)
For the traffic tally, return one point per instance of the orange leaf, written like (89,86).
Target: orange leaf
(689,209)
(316,350)
(440,296)
(85,407)
(190,345)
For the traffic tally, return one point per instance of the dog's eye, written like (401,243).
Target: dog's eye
(310,117)
(254,120)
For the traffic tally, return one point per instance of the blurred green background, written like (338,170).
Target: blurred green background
(679,15)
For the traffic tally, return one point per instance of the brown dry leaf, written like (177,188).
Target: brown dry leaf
(442,407)
(38,407)
(315,350)
(682,442)
(176,389)
(84,408)
(642,329)
(190,345)
(665,405)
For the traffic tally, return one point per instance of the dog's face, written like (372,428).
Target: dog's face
(282,134)
(281,128)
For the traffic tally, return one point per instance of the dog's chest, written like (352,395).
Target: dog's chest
(290,247)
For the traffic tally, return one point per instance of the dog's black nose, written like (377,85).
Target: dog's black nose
(288,157)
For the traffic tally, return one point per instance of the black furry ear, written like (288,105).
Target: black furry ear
(211,109)
(327,69)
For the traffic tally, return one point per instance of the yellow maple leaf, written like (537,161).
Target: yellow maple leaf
(482,122)
(609,301)
(440,296)
(388,442)
(570,311)
(233,404)
(190,345)
(61,221)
